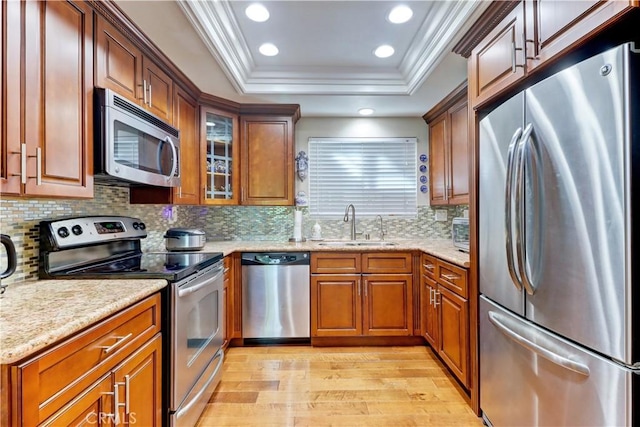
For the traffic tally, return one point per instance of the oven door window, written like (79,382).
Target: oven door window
(138,150)
(202,326)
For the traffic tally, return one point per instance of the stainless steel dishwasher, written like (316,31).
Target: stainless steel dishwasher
(275,297)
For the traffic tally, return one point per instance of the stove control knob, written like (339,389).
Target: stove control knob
(141,226)
(77,230)
(63,232)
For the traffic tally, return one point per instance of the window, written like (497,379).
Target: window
(377,175)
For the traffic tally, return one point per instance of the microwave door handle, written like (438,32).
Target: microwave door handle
(174,152)
(508,203)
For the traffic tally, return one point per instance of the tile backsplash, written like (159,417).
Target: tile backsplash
(19,218)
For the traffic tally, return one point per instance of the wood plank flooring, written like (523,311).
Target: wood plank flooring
(336,386)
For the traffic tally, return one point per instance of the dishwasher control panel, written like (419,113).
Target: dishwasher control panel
(275,258)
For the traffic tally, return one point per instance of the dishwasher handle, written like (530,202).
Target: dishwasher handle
(273,258)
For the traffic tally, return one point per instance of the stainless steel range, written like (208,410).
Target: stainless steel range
(98,247)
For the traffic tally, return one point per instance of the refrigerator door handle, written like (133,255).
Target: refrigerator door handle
(552,355)
(508,203)
(520,183)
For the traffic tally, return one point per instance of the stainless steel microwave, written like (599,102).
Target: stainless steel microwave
(132,145)
(460,233)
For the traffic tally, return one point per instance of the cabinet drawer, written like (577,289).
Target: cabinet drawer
(387,262)
(428,266)
(335,262)
(452,277)
(50,380)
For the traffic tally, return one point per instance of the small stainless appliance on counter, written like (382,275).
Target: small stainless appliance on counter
(460,233)
(184,239)
(99,247)
(275,297)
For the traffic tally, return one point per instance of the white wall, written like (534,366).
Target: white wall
(318,127)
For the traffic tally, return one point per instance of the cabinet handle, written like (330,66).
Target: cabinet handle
(430,296)
(114,415)
(119,340)
(429,267)
(436,294)
(525,40)
(150,102)
(366,285)
(23,163)
(144,90)
(38,158)
(451,277)
(127,383)
(358,287)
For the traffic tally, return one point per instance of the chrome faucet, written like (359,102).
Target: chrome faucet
(353,219)
(382,233)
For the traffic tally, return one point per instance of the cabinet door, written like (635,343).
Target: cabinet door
(93,407)
(139,381)
(336,307)
(458,176)
(430,320)
(118,62)
(553,26)
(10,156)
(267,161)
(220,166)
(228,298)
(438,160)
(159,90)
(388,304)
(454,333)
(59,72)
(498,60)
(186,120)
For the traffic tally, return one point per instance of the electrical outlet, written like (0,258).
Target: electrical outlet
(441,215)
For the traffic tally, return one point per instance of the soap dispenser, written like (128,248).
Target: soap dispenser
(316,233)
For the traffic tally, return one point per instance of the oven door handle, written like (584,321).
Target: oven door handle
(197,286)
(204,388)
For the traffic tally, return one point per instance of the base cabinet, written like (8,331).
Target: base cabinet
(368,294)
(445,314)
(107,373)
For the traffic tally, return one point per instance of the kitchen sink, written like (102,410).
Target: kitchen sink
(352,243)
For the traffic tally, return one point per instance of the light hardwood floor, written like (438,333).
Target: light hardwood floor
(336,386)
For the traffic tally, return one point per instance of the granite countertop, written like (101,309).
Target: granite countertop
(36,314)
(443,249)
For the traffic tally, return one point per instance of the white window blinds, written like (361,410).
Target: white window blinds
(377,175)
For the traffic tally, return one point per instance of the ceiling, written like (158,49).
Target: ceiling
(326,62)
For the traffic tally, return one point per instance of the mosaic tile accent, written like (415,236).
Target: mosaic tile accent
(19,218)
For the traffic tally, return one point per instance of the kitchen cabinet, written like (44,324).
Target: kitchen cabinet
(47,150)
(449,150)
(123,67)
(113,367)
(267,160)
(445,314)
(368,294)
(220,151)
(533,34)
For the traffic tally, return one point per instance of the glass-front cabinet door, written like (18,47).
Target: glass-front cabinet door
(221,157)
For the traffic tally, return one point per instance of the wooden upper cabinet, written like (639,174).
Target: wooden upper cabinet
(186,120)
(10,117)
(498,61)
(118,62)
(531,35)
(449,149)
(553,26)
(267,160)
(220,164)
(58,71)
(158,97)
(123,67)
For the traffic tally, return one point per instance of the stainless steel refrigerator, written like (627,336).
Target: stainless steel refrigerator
(559,305)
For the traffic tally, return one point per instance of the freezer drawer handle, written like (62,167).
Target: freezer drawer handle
(563,361)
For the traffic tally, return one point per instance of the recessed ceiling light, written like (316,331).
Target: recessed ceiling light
(366,111)
(268,49)
(400,14)
(257,12)
(384,51)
